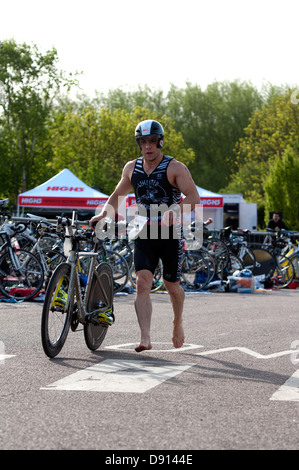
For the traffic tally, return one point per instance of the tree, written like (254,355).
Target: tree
(30,81)
(96,144)
(272,130)
(211,122)
(282,188)
(143,97)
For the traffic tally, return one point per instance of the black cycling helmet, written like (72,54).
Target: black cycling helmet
(148,128)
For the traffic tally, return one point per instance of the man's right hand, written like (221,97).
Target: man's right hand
(94,220)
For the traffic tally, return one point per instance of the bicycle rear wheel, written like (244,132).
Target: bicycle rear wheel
(295,260)
(248,259)
(235,264)
(284,272)
(21,278)
(210,260)
(120,270)
(52,259)
(264,262)
(220,253)
(101,295)
(195,270)
(55,318)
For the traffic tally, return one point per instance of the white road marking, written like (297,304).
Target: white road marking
(289,391)
(128,346)
(246,351)
(123,376)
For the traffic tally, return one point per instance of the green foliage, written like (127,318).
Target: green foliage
(211,122)
(143,97)
(96,144)
(29,81)
(232,137)
(282,188)
(272,130)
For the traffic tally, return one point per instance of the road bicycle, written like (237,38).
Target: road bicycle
(21,273)
(282,270)
(42,243)
(290,248)
(237,243)
(293,255)
(72,298)
(116,259)
(226,262)
(119,266)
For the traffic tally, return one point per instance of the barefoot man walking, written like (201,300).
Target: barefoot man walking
(158,182)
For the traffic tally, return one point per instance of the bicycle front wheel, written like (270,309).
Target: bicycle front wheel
(56,317)
(101,294)
(21,275)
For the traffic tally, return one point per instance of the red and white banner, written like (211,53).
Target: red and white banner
(61,202)
(62,191)
(212,202)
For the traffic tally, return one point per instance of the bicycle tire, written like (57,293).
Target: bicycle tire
(195,271)
(52,259)
(25,282)
(123,247)
(248,260)
(56,321)
(102,293)
(219,250)
(120,269)
(210,259)
(295,260)
(235,264)
(265,262)
(284,272)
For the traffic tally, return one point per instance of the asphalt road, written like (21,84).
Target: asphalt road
(234,385)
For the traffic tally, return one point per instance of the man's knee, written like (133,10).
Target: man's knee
(144,281)
(175,290)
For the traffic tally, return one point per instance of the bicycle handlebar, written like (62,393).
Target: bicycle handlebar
(14,228)
(79,234)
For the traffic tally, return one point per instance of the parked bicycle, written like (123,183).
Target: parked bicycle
(43,244)
(226,262)
(71,300)
(21,273)
(282,270)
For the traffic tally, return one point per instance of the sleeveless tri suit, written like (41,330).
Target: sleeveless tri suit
(154,194)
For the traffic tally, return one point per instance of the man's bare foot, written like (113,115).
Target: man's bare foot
(178,337)
(141,347)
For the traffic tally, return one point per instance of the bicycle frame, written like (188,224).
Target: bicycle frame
(69,302)
(73,261)
(14,259)
(75,285)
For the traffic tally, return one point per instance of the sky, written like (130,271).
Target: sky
(130,43)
